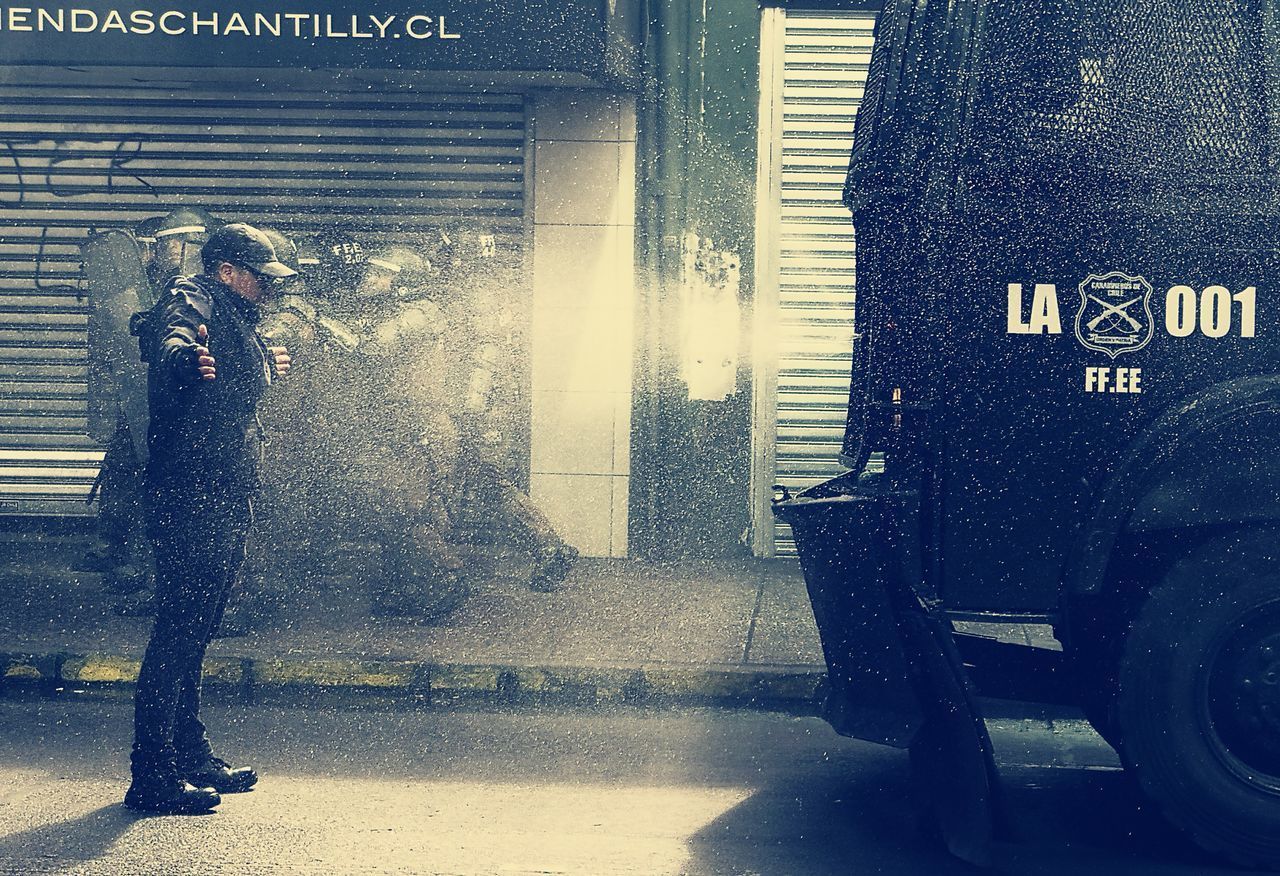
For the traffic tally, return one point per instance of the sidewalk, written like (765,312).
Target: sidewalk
(738,632)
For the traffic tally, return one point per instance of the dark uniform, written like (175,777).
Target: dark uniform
(422,565)
(201,476)
(283,520)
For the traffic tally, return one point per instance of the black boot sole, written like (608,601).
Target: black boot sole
(223,786)
(197,802)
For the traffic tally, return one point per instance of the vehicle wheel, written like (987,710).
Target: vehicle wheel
(1197,709)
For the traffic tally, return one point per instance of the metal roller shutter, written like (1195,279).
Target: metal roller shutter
(80,157)
(826,57)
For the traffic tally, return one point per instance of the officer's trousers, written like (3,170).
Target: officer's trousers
(199,545)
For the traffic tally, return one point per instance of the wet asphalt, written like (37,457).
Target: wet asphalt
(563,791)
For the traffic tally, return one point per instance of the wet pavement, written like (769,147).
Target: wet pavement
(442,784)
(579,792)
(689,627)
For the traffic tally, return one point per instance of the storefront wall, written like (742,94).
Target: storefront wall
(382,157)
(583,228)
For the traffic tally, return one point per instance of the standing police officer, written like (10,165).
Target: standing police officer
(282,520)
(208,368)
(114,267)
(422,568)
(373,442)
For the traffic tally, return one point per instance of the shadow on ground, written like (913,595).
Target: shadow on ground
(1059,821)
(805,801)
(77,840)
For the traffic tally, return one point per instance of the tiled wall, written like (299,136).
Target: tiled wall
(583,299)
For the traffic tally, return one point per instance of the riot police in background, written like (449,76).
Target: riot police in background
(411,398)
(483,386)
(382,440)
(115,270)
(347,453)
(125,274)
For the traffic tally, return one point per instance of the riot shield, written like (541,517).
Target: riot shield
(118,288)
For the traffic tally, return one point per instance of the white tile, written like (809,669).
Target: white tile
(578,114)
(625,204)
(622,433)
(580,349)
(627,118)
(621,504)
(624,339)
(580,507)
(576,265)
(577,184)
(573,432)
(624,264)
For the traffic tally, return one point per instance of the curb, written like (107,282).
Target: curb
(258,680)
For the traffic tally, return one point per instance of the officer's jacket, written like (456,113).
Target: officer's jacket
(203,435)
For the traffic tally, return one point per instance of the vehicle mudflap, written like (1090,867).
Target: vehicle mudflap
(953,766)
(895,674)
(868,695)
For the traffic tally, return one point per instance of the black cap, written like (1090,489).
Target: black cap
(246,247)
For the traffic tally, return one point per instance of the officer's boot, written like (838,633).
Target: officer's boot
(204,768)
(417,586)
(157,789)
(553,557)
(552,566)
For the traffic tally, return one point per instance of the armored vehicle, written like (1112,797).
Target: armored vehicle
(1065,405)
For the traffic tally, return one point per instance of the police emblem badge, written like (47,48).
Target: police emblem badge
(1115,313)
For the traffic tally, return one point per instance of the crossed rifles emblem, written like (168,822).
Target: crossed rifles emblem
(1114,310)
(1119,327)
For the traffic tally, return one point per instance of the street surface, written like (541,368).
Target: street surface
(586,792)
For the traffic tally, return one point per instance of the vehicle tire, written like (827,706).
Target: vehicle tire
(1197,708)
